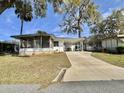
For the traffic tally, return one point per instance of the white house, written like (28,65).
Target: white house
(33,44)
(112,43)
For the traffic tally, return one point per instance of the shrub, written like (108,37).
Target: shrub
(120,49)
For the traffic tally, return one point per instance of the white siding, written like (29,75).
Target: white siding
(110,44)
(60,48)
(114,43)
(34,51)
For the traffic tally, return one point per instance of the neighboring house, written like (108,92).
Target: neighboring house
(38,43)
(8,47)
(112,43)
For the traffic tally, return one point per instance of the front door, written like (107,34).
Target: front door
(78,47)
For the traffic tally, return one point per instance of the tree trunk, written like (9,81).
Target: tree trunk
(79,34)
(22,23)
(21,31)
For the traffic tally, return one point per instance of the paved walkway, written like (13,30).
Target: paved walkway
(87,68)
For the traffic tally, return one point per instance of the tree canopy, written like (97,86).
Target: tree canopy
(4,4)
(110,27)
(77,13)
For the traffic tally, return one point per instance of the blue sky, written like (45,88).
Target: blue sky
(10,24)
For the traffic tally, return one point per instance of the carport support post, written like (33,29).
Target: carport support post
(41,42)
(81,46)
(50,40)
(27,43)
(34,43)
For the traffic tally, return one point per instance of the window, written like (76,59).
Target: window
(56,43)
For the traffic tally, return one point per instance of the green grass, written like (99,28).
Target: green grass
(114,59)
(31,70)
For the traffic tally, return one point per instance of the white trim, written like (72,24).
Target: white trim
(121,36)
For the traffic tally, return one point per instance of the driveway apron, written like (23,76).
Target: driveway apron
(87,68)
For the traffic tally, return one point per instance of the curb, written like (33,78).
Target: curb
(68,59)
(60,75)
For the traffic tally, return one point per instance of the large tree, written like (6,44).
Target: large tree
(23,11)
(109,27)
(77,13)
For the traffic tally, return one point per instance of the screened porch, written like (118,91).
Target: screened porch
(36,42)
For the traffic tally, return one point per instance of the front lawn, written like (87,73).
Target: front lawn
(114,59)
(31,70)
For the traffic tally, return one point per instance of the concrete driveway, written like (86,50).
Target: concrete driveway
(87,68)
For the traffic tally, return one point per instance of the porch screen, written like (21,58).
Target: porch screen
(38,43)
(45,42)
(23,44)
(30,43)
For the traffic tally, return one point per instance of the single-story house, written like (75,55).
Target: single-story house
(112,43)
(33,44)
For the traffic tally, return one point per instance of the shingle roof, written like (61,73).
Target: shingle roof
(30,35)
(66,40)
